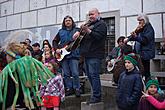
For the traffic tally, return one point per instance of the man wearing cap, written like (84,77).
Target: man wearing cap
(37,52)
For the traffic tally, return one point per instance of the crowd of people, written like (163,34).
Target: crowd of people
(127,65)
(62,59)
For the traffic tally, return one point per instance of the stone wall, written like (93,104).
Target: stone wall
(30,14)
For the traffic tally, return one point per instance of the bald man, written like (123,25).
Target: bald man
(92,49)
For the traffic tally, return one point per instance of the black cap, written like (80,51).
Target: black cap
(23,43)
(36,44)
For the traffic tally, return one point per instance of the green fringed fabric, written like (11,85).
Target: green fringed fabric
(28,71)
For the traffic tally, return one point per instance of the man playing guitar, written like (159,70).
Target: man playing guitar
(114,54)
(70,62)
(114,60)
(92,49)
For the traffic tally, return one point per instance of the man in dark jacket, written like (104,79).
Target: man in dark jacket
(144,37)
(92,49)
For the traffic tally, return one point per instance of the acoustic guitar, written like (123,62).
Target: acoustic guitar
(78,40)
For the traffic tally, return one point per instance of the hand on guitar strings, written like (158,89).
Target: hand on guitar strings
(85,29)
(58,51)
(109,64)
(75,35)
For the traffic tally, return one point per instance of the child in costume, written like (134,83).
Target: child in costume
(19,79)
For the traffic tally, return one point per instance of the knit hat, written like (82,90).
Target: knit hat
(152,82)
(131,58)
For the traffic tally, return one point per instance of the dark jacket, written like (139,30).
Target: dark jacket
(38,54)
(3,61)
(92,45)
(145,42)
(129,90)
(113,54)
(64,37)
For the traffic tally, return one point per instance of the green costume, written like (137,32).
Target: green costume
(27,73)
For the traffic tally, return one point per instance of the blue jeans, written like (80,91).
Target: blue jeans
(71,69)
(92,69)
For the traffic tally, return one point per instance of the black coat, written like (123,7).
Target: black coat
(93,44)
(129,90)
(145,42)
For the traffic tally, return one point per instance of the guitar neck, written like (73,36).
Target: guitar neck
(68,47)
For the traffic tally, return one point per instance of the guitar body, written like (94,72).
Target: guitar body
(72,46)
(111,67)
(67,49)
(62,54)
(116,67)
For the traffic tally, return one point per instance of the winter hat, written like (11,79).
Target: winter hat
(132,58)
(152,82)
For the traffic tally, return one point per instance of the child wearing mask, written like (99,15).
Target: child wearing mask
(129,85)
(152,87)
(53,92)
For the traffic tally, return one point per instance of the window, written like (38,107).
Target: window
(110,40)
(112,21)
